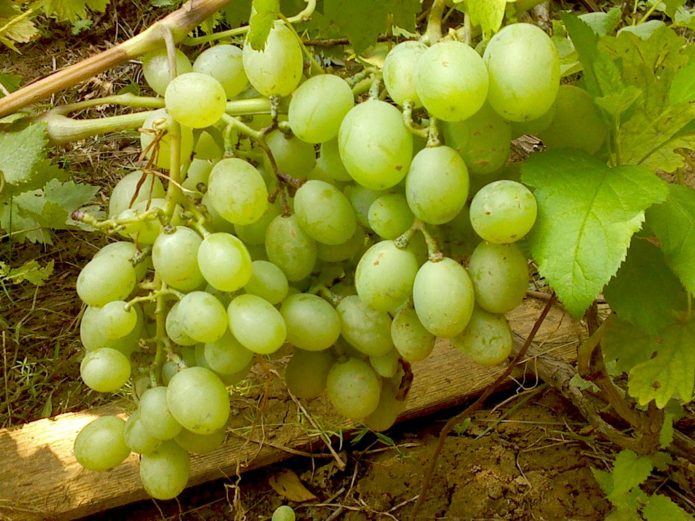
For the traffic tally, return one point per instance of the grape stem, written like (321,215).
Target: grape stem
(410,124)
(153,295)
(325,292)
(433,133)
(433,251)
(433,32)
(160,331)
(302,16)
(375,87)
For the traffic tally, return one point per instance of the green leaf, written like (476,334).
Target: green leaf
(653,141)
(585,41)
(7,8)
(19,29)
(645,292)
(670,373)
(30,271)
(488,14)
(587,214)
(603,23)
(683,85)
(237,13)
(21,152)
(263,15)
(673,222)
(11,82)
(629,471)
(97,5)
(623,346)
(69,195)
(661,508)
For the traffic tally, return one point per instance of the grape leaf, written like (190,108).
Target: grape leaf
(7,8)
(673,222)
(237,13)
(645,292)
(11,82)
(661,508)
(263,15)
(603,23)
(30,271)
(669,371)
(652,142)
(622,346)
(683,85)
(21,152)
(20,29)
(488,14)
(587,214)
(629,471)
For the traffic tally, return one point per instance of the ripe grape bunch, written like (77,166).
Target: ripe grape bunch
(354,219)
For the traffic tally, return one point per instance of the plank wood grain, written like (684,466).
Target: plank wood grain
(40,479)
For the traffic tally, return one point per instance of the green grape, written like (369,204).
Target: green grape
(195,100)
(410,338)
(160,152)
(198,400)
(353,388)
(459,236)
(500,276)
(226,355)
(128,251)
(483,140)
(136,436)
(390,216)
(175,327)
(209,145)
(100,444)
(215,221)
(342,252)
(524,69)
(290,247)
(487,340)
(283,513)
(329,165)
(388,410)
(503,211)
(534,126)
(384,276)
(224,261)
(267,281)
(155,415)
(451,80)
(174,256)
(92,334)
(203,317)
(318,106)
(292,156)
(237,191)
(306,373)
(375,146)
(312,323)
(437,185)
(400,69)
(117,319)
(105,370)
(254,234)
(324,213)
(164,472)
(133,188)
(576,122)
(104,279)
(277,69)
(386,365)
(139,229)
(224,63)
(361,199)
(200,443)
(256,324)
(443,296)
(365,328)
(155,68)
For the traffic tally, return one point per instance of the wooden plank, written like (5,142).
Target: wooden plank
(40,479)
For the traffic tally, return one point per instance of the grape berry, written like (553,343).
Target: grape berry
(350,256)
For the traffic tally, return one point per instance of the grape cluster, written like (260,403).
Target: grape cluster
(339,228)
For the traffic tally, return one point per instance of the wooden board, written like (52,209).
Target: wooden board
(40,479)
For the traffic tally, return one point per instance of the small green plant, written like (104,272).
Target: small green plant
(630,502)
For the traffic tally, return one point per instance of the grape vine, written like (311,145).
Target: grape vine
(359,213)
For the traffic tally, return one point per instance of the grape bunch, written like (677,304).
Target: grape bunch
(354,226)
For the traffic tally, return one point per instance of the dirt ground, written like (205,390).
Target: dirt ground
(526,457)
